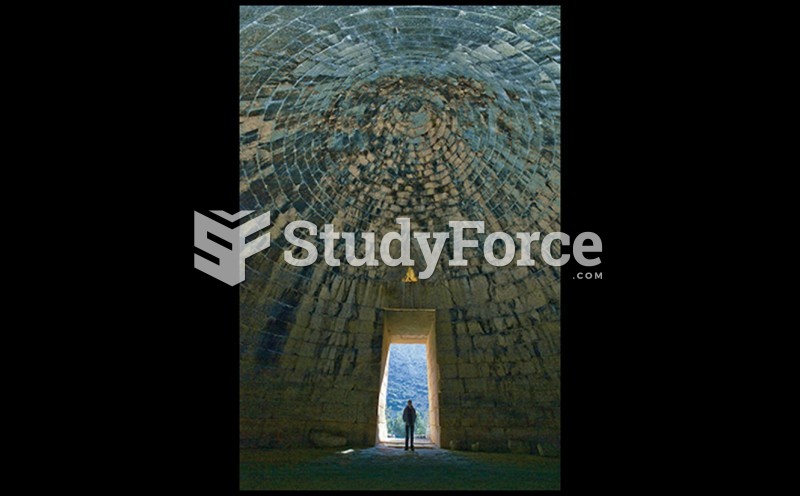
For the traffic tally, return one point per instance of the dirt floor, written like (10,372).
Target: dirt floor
(389,468)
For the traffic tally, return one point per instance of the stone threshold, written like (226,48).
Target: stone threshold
(400,443)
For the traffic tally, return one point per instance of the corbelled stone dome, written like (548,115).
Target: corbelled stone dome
(356,116)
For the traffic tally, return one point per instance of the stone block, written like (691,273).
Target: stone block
(322,439)
(519,447)
(458,444)
(548,449)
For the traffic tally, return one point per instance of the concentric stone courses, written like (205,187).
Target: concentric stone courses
(358,116)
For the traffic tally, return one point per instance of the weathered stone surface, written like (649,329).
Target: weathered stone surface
(520,447)
(548,449)
(456,444)
(326,440)
(358,115)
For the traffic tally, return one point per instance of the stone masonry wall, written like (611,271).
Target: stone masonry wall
(356,116)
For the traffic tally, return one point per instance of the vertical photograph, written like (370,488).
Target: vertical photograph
(400,299)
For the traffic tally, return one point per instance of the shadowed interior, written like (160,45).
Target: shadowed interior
(356,116)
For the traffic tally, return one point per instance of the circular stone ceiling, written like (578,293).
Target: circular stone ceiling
(358,115)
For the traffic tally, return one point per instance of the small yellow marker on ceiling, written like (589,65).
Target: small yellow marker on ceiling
(410,276)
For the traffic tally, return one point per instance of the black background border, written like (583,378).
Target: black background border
(186,400)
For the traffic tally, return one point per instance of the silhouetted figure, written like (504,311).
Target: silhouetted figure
(410,418)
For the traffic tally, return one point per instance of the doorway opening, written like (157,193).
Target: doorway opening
(407,379)
(408,371)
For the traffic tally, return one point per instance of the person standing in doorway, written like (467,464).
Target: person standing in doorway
(410,418)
